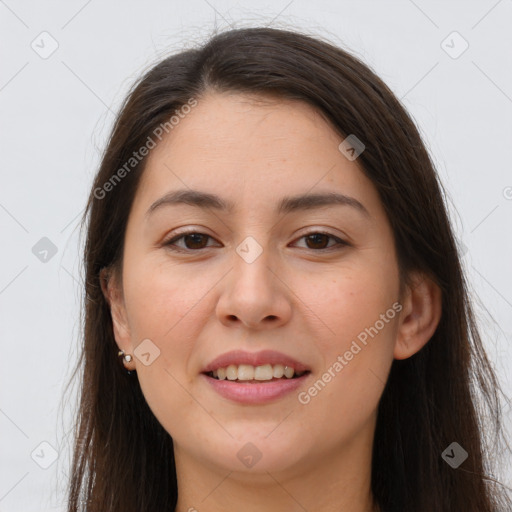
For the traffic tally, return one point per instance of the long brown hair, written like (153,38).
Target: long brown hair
(123,459)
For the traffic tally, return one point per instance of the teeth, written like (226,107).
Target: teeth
(278,371)
(264,372)
(261,373)
(232,372)
(245,372)
(288,372)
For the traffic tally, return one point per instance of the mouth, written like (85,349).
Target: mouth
(249,374)
(255,378)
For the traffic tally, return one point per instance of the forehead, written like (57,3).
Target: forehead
(253,151)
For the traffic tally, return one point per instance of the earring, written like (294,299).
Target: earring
(127,357)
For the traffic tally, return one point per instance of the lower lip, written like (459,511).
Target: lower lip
(255,392)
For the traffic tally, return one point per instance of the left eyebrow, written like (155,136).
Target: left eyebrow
(311,201)
(286,204)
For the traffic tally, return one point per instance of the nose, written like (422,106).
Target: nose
(254,295)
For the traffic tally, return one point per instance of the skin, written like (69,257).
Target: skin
(296,297)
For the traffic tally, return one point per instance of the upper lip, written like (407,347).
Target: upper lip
(237,357)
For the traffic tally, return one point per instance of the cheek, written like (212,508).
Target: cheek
(170,306)
(348,302)
(343,395)
(161,299)
(164,305)
(358,313)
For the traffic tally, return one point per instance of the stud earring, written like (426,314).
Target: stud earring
(126,357)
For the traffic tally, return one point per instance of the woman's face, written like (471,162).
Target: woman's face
(303,283)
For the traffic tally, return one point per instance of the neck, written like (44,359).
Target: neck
(324,482)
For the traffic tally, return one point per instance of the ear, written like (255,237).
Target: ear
(112,290)
(420,316)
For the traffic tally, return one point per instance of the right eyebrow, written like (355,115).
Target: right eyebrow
(193,198)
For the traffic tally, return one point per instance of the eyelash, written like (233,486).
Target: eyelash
(170,243)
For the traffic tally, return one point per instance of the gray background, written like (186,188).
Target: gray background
(56,111)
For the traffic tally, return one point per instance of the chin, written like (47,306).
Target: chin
(262,453)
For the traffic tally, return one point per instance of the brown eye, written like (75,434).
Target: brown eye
(196,240)
(319,241)
(192,241)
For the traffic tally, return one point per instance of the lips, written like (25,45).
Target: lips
(245,377)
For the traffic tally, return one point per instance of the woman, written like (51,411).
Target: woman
(276,316)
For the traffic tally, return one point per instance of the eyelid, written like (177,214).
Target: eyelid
(340,242)
(168,242)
